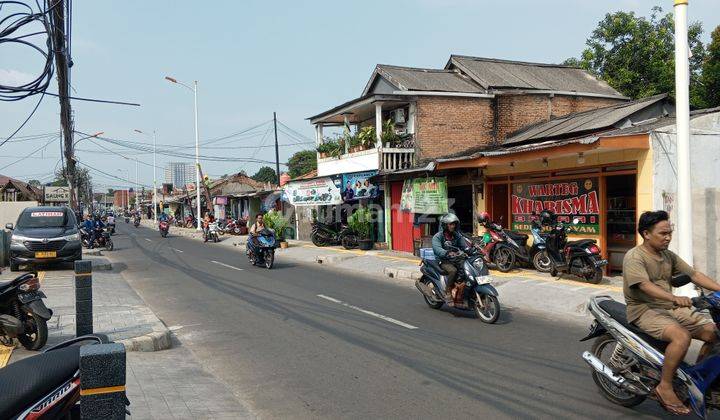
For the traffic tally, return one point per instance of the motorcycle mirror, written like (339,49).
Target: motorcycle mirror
(9,226)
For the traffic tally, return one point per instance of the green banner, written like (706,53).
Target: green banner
(425,195)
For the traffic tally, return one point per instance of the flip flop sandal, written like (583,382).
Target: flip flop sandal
(674,409)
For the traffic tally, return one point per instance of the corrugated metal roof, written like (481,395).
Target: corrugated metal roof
(593,120)
(410,78)
(500,74)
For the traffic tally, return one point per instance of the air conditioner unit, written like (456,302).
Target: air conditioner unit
(400,116)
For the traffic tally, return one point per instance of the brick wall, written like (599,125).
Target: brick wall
(445,125)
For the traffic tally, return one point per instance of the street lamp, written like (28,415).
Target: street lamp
(154,177)
(197,146)
(100,133)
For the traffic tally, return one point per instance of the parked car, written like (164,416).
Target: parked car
(44,235)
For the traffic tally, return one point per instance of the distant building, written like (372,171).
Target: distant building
(180,173)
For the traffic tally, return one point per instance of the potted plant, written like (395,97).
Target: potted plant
(277,222)
(388,137)
(354,144)
(367,137)
(360,222)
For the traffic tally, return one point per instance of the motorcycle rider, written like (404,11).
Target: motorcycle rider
(209,218)
(647,271)
(97,230)
(448,233)
(89,227)
(255,229)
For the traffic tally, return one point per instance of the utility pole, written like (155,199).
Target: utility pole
(277,152)
(682,111)
(60,48)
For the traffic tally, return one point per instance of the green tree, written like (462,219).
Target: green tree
(83,183)
(636,55)
(35,183)
(301,163)
(265,174)
(711,72)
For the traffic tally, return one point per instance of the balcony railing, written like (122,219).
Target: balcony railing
(394,159)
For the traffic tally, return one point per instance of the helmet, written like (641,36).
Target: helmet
(448,219)
(547,217)
(483,218)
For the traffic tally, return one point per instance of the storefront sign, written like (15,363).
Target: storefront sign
(356,186)
(425,196)
(220,200)
(577,198)
(57,194)
(314,192)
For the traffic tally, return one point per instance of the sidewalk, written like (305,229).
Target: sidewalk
(522,288)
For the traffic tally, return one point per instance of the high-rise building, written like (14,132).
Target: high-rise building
(180,174)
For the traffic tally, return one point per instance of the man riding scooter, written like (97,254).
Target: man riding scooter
(448,234)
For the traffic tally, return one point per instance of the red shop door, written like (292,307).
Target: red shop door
(402,221)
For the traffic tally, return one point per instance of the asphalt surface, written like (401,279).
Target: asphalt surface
(304,341)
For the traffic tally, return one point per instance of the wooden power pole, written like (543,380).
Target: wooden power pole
(62,69)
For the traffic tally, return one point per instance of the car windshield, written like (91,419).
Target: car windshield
(42,219)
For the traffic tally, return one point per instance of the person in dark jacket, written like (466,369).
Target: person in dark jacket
(448,233)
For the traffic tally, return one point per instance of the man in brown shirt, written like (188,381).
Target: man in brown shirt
(647,271)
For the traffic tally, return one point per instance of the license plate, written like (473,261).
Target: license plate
(31,296)
(45,254)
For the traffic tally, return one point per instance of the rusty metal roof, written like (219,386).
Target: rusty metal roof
(437,80)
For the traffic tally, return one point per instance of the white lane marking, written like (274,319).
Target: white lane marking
(371,313)
(226,265)
(178,250)
(149,240)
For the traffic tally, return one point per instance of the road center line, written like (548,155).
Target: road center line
(226,265)
(178,250)
(149,240)
(366,312)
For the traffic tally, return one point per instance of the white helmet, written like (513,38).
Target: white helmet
(448,219)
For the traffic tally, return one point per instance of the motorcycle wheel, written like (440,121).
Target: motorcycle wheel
(269,259)
(216,238)
(603,348)
(221,232)
(349,242)
(489,311)
(585,269)
(435,304)
(109,245)
(236,231)
(504,259)
(37,339)
(541,262)
(163,233)
(318,240)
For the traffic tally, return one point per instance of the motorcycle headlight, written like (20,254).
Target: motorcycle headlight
(479,264)
(73,237)
(483,279)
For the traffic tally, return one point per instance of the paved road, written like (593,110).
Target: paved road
(303,341)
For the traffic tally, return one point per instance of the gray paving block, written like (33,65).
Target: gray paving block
(83,267)
(84,280)
(102,365)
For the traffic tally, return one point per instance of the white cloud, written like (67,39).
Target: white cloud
(10,77)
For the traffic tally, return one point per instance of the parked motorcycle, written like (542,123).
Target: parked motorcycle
(473,289)
(264,248)
(540,259)
(211,233)
(45,386)
(164,227)
(190,222)
(496,246)
(231,227)
(325,234)
(23,314)
(580,258)
(627,363)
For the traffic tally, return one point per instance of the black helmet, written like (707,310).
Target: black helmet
(547,218)
(448,219)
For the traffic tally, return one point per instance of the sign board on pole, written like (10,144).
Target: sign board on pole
(57,194)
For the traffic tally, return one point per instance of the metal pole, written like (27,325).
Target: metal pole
(154,182)
(197,161)
(137,182)
(682,110)
(277,152)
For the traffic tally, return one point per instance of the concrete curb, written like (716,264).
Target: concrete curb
(155,341)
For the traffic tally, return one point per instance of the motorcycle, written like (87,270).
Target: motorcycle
(627,363)
(23,314)
(538,252)
(498,248)
(324,234)
(136,221)
(231,227)
(102,239)
(264,248)
(45,386)
(473,289)
(190,222)
(580,258)
(164,227)
(211,232)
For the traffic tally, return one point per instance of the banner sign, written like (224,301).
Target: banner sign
(220,200)
(356,186)
(577,198)
(425,196)
(57,194)
(314,192)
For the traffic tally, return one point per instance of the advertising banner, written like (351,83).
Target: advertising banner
(314,192)
(425,196)
(356,186)
(57,194)
(568,199)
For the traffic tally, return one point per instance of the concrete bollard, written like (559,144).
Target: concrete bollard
(102,381)
(83,298)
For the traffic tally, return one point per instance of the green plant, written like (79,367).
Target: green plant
(352,140)
(277,222)
(367,136)
(331,147)
(388,134)
(361,222)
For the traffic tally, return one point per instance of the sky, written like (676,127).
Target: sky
(252,58)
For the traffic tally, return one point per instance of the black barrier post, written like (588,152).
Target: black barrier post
(102,381)
(83,298)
